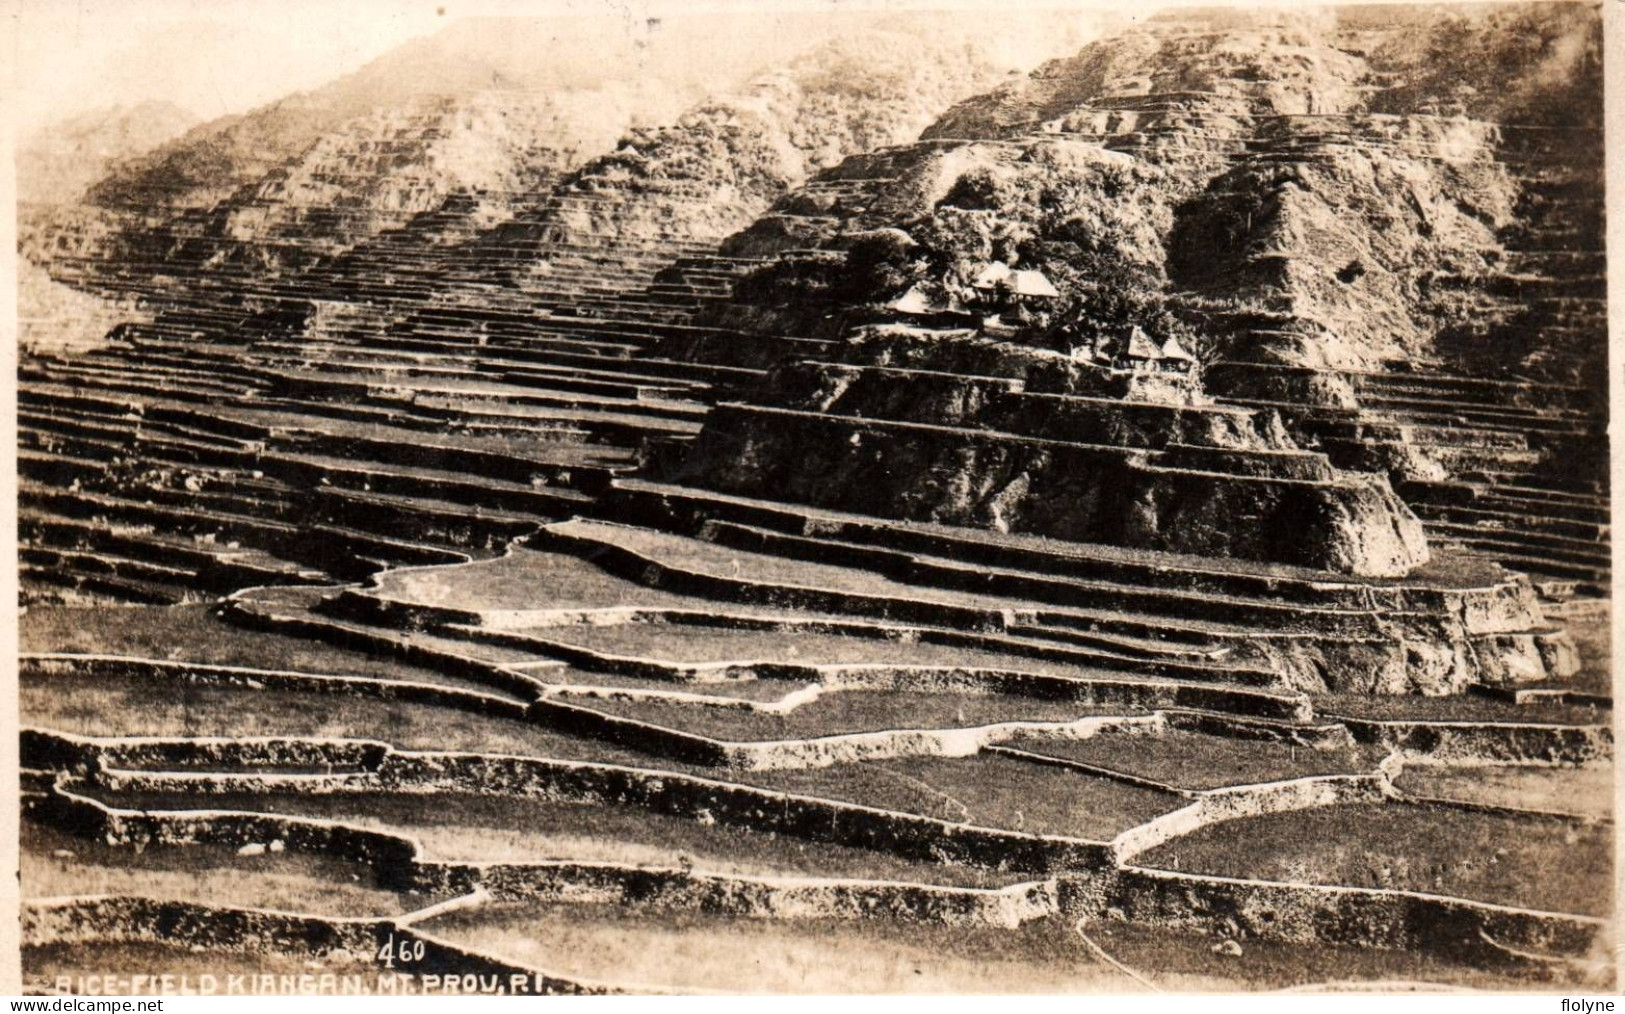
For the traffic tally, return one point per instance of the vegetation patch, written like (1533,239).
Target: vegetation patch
(986,790)
(723,561)
(56,864)
(689,643)
(1593,636)
(193,633)
(523,579)
(472,828)
(1585,791)
(1191,760)
(1457,708)
(128,706)
(701,951)
(761,691)
(1542,864)
(852,711)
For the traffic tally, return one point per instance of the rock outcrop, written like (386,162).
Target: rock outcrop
(936,442)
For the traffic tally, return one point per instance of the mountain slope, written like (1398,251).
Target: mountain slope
(723,161)
(1396,272)
(471,109)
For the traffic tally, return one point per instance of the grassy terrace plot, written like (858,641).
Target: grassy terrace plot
(1585,791)
(696,950)
(486,828)
(55,864)
(1543,864)
(541,450)
(727,562)
(1459,708)
(195,634)
(180,685)
(634,415)
(852,711)
(764,691)
(121,706)
(710,952)
(1592,633)
(1190,760)
(524,579)
(679,642)
(292,599)
(986,790)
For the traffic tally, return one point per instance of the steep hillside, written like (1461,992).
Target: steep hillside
(1383,230)
(1320,190)
(724,160)
(465,186)
(615,68)
(931,216)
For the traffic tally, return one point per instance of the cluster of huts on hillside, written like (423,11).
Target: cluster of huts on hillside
(1001,299)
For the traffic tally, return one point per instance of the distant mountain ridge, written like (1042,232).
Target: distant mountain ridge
(607,75)
(728,157)
(55,165)
(472,113)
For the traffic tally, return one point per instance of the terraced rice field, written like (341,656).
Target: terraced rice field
(1040,957)
(1193,761)
(1499,858)
(384,597)
(889,784)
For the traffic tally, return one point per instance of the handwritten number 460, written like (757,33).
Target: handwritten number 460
(407,952)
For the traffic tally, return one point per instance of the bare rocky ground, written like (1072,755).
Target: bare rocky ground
(374,602)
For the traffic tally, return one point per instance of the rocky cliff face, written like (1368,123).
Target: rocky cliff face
(961,432)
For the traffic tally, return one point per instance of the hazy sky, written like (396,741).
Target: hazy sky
(209,56)
(215,57)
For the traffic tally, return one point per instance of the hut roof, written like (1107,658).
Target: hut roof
(1171,349)
(1140,346)
(1033,283)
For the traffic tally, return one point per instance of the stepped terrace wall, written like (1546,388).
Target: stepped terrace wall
(1086,492)
(989,435)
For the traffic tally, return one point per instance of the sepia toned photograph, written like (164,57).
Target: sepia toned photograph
(811,498)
